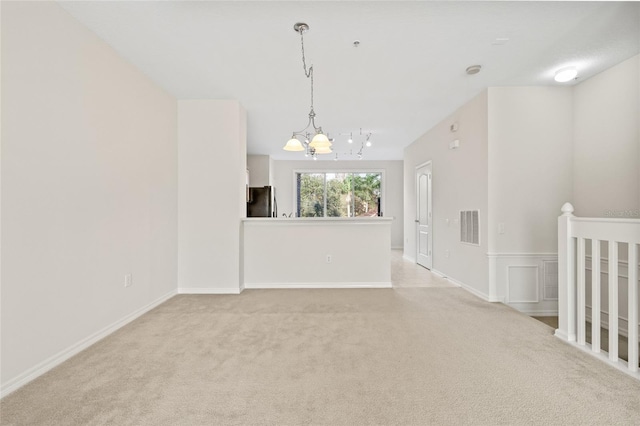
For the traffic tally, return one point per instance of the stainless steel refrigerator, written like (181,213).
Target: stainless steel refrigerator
(262,202)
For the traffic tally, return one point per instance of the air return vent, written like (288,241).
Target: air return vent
(470,227)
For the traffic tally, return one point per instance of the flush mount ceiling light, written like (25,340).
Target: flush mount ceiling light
(473,69)
(319,144)
(566,74)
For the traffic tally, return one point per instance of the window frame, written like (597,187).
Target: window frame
(324,171)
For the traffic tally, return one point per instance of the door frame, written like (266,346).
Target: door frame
(430,210)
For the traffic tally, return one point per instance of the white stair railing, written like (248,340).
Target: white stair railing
(573,233)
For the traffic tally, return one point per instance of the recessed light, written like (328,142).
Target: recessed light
(566,74)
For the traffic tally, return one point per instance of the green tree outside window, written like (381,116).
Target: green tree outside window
(338,194)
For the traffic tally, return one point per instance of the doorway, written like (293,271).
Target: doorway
(424,228)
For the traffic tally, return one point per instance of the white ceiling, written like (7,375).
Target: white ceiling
(406,76)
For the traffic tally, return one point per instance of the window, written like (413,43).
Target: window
(338,194)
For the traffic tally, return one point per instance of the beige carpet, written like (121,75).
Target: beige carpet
(404,356)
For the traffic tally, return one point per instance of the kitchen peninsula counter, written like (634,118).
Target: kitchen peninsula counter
(317,252)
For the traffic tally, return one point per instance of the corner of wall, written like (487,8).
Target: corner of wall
(453,170)
(110,215)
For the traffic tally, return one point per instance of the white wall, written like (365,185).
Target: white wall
(259,167)
(607,160)
(538,148)
(89,189)
(0,192)
(283,181)
(459,183)
(530,166)
(607,141)
(212,199)
(292,253)
(530,177)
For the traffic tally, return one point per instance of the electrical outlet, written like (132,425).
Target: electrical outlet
(128,280)
(501,228)
(328,258)
(447,253)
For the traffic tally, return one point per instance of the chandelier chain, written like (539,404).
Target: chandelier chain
(307,72)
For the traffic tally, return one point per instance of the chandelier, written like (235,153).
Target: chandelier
(365,143)
(320,143)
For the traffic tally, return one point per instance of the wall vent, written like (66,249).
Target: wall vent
(550,268)
(470,227)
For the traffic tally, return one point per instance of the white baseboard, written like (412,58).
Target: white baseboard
(441,275)
(397,247)
(538,313)
(203,290)
(384,284)
(467,287)
(562,335)
(57,359)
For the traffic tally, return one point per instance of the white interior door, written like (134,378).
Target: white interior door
(424,237)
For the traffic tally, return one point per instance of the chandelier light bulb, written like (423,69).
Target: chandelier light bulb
(323,150)
(320,140)
(368,144)
(566,74)
(293,145)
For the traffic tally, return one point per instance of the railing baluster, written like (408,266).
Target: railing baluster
(595,296)
(573,234)
(633,307)
(580,292)
(613,301)
(566,277)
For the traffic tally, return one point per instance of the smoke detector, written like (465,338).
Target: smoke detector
(473,69)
